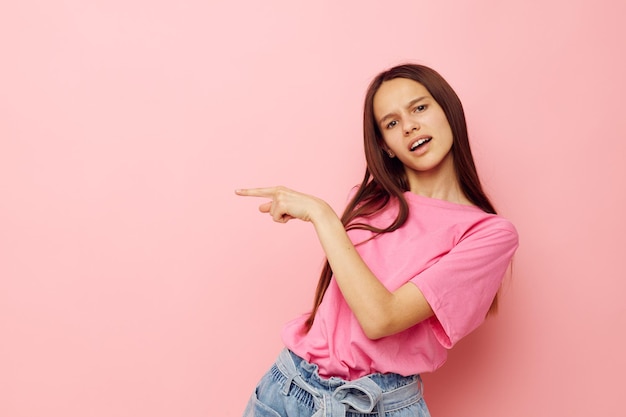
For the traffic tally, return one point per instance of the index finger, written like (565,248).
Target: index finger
(256,192)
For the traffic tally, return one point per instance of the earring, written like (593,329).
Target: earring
(391,154)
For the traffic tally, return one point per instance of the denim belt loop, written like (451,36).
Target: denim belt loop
(344,397)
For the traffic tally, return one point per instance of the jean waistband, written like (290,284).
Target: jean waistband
(361,395)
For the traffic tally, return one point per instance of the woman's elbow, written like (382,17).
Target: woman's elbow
(377,329)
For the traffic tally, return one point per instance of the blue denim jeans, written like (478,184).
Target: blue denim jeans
(293,388)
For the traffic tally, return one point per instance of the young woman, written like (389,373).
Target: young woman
(413,265)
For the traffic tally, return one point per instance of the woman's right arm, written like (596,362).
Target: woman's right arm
(379,311)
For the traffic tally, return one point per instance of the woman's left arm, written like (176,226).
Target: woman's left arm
(379,311)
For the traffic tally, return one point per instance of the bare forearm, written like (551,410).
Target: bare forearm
(367,297)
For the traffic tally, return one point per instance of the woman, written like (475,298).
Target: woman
(413,265)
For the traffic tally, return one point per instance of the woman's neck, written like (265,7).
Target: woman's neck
(440,183)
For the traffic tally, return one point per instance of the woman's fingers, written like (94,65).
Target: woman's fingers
(265,207)
(269,207)
(268,192)
(285,204)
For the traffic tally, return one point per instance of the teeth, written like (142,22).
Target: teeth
(419,143)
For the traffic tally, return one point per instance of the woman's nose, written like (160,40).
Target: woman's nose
(410,126)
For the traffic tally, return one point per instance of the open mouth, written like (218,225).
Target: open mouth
(419,143)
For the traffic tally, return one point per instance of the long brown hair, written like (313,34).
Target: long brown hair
(385,177)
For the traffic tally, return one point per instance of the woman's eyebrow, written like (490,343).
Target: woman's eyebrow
(410,104)
(415,101)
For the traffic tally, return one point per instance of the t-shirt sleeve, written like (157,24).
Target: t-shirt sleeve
(461,285)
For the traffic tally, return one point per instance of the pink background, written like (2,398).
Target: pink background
(133,282)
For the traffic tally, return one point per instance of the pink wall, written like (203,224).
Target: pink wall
(133,282)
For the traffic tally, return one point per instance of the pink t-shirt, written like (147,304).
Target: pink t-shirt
(457,255)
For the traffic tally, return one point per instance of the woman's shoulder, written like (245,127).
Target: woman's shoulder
(467,219)
(493,230)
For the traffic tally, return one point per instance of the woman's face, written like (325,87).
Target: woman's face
(414,127)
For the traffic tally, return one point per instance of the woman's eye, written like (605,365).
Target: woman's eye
(420,108)
(392,124)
